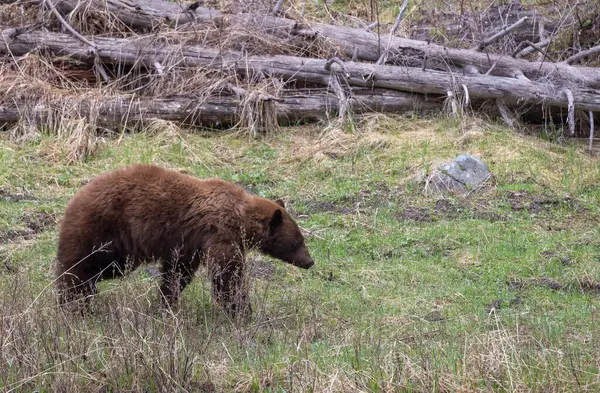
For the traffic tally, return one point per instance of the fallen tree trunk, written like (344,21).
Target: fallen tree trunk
(361,44)
(148,51)
(131,111)
(142,15)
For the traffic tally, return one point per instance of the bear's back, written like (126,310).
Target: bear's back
(146,210)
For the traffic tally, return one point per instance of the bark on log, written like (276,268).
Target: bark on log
(292,107)
(365,44)
(148,50)
(143,15)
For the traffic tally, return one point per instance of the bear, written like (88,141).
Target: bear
(142,213)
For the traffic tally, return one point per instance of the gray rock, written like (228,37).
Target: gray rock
(460,176)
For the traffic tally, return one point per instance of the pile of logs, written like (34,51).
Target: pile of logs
(314,70)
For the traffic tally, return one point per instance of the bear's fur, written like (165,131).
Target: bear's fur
(142,213)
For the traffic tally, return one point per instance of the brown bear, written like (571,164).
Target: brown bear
(141,213)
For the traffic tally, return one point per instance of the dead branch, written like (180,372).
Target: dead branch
(571,110)
(276,7)
(591,115)
(500,34)
(383,58)
(79,37)
(527,47)
(140,51)
(583,54)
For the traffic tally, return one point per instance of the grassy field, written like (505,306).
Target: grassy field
(497,292)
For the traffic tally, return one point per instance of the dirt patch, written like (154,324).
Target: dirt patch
(254,187)
(524,201)
(589,285)
(474,209)
(17,197)
(418,214)
(35,222)
(326,207)
(376,195)
(38,221)
(446,209)
(262,269)
(563,259)
(248,187)
(584,284)
(434,316)
(13,234)
(519,283)
(5,264)
(501,303)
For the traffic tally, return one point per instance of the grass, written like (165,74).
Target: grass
(409,294)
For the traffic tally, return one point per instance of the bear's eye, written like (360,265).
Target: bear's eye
(296,245)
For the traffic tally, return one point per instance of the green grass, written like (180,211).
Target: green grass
(394,303)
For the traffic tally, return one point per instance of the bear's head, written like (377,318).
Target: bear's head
(284,239)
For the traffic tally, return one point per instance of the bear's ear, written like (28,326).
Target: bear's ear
(276,220)
(280,202)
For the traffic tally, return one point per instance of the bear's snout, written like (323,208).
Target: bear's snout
(305,264)
(303,260)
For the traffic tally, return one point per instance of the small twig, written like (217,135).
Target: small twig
(574,372)
(504,113)
(571,108)
(452,100)
(372,26)
(466,94)
(312,233)
(526,47)
(493,66)
(383,58)
(591,130)
(542,35)
(339,92)
(519,75)
(68,26)
(9,268)
(582,54)
(536,47)
(159,67)
(79,37)
(277,7)
(425,58)
(100,67)
(500,34)
(239,92)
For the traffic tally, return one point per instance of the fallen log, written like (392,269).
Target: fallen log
(357,43)
(148,51)
(216,111)
(142,15)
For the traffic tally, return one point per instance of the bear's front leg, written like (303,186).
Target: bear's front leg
(228,285)
(75,294)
